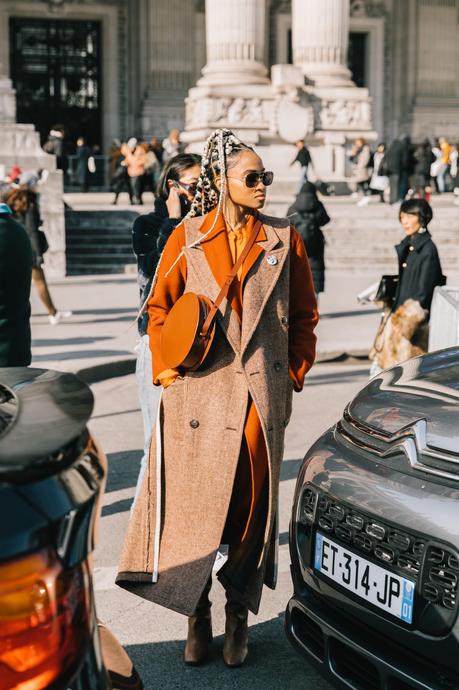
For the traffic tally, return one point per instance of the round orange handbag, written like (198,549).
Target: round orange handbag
(184,342)
(189,329)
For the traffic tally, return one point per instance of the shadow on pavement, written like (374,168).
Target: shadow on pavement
(122,506)
(108,310)
(336,377)
(79,354)
(55,342)
(115,414)
(345,314)
(123,469)
(272,664)
(289,469)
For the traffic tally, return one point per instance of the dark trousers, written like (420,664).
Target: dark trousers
(136,184)
(394,181)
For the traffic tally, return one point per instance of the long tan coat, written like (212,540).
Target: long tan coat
(203,414)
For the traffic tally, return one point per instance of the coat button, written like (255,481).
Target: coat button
(194,423)
(284,320)
(411,248)
(404,265)
(277,366)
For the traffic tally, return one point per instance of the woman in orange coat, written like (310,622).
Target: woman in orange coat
(222,427)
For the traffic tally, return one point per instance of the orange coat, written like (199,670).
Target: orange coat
(220,254)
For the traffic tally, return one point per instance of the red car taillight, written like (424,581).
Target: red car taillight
(44,620)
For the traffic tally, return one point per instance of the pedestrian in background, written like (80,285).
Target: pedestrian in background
(15,276)
(397,165)
(55,145)
(152,169)
(423,158)
(150,233)
(379,180)
(404,331)
(83,164)
(360,156)
(23,200)
(156,147)
(172,145)
(308,215)
(134,162)
(303,157)
(217,471)
(443,168)
(454,157)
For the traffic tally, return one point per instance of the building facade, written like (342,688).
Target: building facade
(116,68)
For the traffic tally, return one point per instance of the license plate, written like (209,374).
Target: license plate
(369,581)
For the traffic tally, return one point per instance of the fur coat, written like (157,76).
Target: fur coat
(403,334)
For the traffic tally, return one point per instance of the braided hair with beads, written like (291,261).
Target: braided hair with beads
(219,148)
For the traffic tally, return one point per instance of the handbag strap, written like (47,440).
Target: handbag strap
(229,279)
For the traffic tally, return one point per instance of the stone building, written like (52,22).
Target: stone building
(113,68)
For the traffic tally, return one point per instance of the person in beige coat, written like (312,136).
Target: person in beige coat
(214,468)
(134,161)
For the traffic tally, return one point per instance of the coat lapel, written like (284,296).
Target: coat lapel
(211,262)
(262,277)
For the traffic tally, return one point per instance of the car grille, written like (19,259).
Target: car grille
(410,442)
(432,566)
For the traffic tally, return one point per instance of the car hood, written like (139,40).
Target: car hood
(424,388)
(43,414)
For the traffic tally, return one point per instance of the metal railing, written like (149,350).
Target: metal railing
(444,319)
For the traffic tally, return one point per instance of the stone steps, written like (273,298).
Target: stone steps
(358,238)
(99,241)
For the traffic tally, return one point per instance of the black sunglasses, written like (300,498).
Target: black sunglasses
(253,178)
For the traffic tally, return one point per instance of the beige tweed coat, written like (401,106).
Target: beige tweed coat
(201,429)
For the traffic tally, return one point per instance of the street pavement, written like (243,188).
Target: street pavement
(154,636)
(98,341)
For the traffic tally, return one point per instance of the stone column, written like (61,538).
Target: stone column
(320,40)
(235,39)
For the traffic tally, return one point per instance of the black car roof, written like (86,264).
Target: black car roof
(42,412)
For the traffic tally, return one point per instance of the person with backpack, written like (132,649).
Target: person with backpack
(308,214)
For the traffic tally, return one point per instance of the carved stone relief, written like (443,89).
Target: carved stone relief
(232,111)
(368,8)
(342,114)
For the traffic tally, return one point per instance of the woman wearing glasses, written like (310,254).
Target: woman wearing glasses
(150,232)
(223,425)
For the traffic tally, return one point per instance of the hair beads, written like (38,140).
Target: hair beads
(219,148)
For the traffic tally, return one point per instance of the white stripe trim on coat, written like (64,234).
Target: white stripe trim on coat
(159,456)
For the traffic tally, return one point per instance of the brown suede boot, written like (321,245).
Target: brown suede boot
(199,631)
(235,646)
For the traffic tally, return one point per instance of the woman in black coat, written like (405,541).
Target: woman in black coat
(308,214)
(404,330)
(150,232)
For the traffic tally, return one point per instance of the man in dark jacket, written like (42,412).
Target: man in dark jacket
(303,157)
(398,165)
(15,277)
